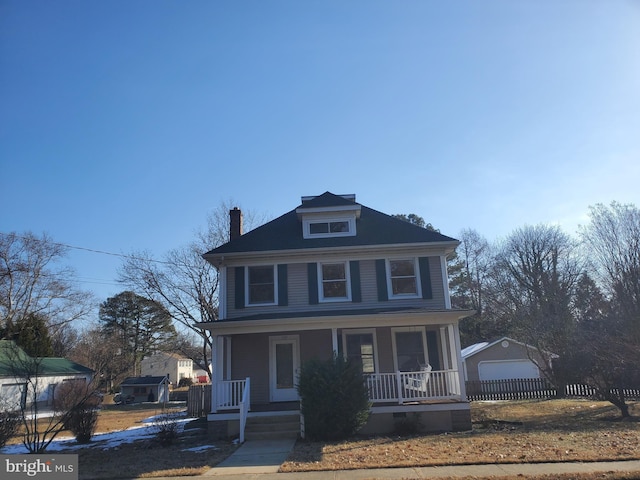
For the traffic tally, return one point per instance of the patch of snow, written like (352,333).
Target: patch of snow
(105,441)
(201,448)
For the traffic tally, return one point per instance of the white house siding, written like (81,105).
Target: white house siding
(173,366)
(298,295)
(11,389)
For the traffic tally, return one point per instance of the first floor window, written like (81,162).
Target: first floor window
(261,285)
(334,281)
(410,351)
(359,349)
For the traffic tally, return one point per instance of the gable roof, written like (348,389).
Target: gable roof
(14,361)
(373,228)
(479,347)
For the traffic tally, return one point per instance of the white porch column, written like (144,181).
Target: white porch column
(447,347)
(217,372)
(214,373)
(454,333)
(334,340)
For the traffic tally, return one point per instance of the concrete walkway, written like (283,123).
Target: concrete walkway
(255,457)
(260,460)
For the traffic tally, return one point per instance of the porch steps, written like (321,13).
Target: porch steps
(272,427)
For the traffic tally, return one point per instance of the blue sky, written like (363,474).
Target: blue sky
(123,123)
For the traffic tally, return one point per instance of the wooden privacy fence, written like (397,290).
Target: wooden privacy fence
(532,388)
(199,401)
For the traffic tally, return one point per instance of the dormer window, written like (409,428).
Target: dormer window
(328,216)
(329,227)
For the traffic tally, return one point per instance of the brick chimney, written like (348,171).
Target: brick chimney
(235,223)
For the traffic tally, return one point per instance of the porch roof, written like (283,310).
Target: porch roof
(335,319)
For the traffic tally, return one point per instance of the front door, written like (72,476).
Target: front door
(284,362)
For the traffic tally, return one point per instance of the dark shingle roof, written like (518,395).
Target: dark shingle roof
(373,228)
(149,380)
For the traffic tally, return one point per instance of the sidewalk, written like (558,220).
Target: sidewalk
(260,460)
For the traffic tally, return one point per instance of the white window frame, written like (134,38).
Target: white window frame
(347,272)
(247,299)
(361,331)
(307,222)
(416,270)
(425,349)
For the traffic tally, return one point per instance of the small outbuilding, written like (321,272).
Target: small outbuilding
(144,389)
(502,359)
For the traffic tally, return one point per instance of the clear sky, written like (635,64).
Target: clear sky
(123,123)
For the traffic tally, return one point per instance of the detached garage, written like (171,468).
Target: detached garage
(501,359)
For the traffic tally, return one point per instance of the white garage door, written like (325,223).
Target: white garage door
(507,369)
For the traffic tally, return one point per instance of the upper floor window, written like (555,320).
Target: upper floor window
(402,278)
(261,285)
(329,227)
(334,282)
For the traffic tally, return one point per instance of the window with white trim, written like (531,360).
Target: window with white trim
(359,347)
(403,280)
(329,227)
(334,282)
(261,285)
(410,349)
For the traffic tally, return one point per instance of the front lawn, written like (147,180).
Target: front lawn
(503,432)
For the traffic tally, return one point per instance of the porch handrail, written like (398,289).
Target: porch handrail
(245,403)
(404,387)
(229,394)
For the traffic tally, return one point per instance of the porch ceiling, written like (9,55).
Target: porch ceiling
(386,319)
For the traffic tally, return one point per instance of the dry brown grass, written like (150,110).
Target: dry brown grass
(144,458)
(503,432)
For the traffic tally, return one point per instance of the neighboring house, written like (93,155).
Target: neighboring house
(173,366)
(329,277)
(17,370)
(501,359)
(144,389)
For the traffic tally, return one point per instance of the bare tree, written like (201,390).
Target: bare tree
(537,271)
(32,281)
(103,354)
(612,243)
(183,281)
(39,431)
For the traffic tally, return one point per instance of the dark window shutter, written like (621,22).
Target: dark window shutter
(283,287)
(239,287)
(381,280)
(432,347)
(354,270)
(425,277)
(312,278)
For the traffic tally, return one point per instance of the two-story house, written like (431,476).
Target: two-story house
(329,277)
(173,366)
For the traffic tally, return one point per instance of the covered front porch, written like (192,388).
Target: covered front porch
(411,361)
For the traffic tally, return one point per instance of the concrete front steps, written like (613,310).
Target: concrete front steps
(272,427)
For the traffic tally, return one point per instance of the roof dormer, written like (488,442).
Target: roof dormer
(328,215)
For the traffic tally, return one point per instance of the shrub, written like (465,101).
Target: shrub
(82,422)
(335,399)
(77,403)
(185,382)
(9,422)
(166,428)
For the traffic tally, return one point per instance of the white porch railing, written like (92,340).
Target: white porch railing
(404,387)
(229,393)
